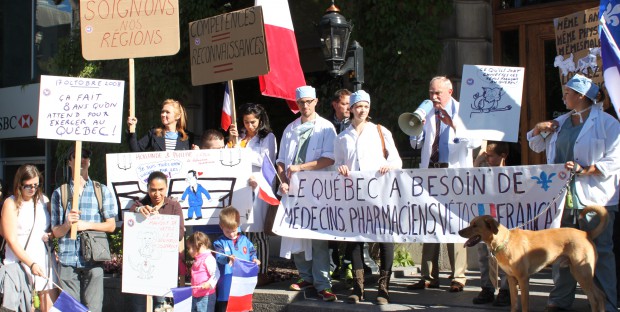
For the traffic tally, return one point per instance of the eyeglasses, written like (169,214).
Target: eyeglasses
(306,102)
(30,187)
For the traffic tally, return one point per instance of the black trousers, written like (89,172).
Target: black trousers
(386,255)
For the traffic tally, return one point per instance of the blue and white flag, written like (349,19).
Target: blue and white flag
(66,303)
(182,299)
(609,12)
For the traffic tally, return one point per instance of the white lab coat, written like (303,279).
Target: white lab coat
(460,149)
(363,151)
(597,144)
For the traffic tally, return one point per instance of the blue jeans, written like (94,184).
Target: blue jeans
(315,271)
(563,293)
(84,284)
(204,304)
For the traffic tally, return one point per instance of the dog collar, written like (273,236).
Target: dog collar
(500,247)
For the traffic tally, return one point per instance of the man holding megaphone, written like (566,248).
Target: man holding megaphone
(441,149)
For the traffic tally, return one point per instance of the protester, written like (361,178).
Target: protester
(442,149)
(26,224)
(367,146)
(495,155)
(307,144)
(260,141)
(230,246)
(211,139)
(171,135)
(81,279)
(586,141)
(204,273)
(156,202)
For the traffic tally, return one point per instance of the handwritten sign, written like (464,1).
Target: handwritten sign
(228,47)
(115,29)
(80,109)
(578,46)
(422,205)
(223,173)
(150,250)
(491,102)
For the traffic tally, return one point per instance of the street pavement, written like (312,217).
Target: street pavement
(277,297)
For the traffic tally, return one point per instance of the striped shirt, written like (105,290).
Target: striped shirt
(171,140)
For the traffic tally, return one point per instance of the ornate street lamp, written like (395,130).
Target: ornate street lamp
(341,58)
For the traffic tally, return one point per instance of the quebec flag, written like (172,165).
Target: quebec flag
(66,303)
(245,276)
(609,13)
(182,299)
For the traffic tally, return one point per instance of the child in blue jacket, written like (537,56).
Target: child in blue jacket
(235,245)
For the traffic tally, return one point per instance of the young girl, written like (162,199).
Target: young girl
(204,273)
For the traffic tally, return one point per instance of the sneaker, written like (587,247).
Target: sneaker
(487,295)
(327,294)
(301,285)
(502,299)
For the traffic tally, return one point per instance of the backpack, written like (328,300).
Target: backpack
(64,196)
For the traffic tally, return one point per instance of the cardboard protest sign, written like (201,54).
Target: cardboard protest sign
(114,29)
(222,173)
(420,205)
(80,109)
(490,102)
(578,45)
(228,47)
(150,253)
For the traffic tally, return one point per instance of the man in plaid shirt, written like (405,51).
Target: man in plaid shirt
(76,275)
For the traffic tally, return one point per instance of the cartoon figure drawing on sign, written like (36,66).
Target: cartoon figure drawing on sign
(565,65)
(589,61)
(489,100)
(143,261)
(194,191)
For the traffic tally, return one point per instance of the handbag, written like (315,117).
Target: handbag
(95,246)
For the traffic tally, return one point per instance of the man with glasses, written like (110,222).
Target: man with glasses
(81,279)
(307,144)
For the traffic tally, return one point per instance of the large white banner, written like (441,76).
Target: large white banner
(419,205)
(491,102)
(222,173)
(80,109)
(150,253)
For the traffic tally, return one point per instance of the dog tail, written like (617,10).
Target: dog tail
(602,213)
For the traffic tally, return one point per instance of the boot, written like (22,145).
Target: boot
(357,294)
(383,296)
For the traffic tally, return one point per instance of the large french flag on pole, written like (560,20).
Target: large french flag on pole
(182,299)
(609,12)
(226,110)
(244,278)
(66,303)
(285,74)
(265,182)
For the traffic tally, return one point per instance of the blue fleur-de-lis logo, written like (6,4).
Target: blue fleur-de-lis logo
(544,180)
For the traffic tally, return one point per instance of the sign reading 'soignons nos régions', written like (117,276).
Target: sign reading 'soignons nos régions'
(118,29)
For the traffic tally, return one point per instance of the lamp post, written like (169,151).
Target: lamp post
(341,59)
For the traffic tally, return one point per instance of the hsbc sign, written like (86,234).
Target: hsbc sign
(19,111)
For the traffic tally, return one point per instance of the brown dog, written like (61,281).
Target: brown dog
(521,253)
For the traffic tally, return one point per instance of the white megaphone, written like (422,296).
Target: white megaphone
(412,123)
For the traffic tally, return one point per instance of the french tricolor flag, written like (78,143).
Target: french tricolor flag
(226,110)
(265,182)
(182,299)
(66,303)
(609,11)
(244,278)
(487,209)
(285,73)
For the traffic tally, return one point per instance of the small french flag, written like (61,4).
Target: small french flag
(66,303)
(244,278)
(226,110)
(487,209)
(182,299)
(265,181)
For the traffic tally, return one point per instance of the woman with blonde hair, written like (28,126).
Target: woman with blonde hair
(26,229)
(171,135)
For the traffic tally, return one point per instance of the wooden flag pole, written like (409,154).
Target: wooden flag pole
(77,184)
(132,93)
(233,109)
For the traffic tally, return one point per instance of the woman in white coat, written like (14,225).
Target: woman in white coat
(366,146)
(585,140)
(259,139)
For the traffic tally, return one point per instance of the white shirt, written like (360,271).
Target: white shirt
(363,151)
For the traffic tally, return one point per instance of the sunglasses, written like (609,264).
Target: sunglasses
(30,187)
